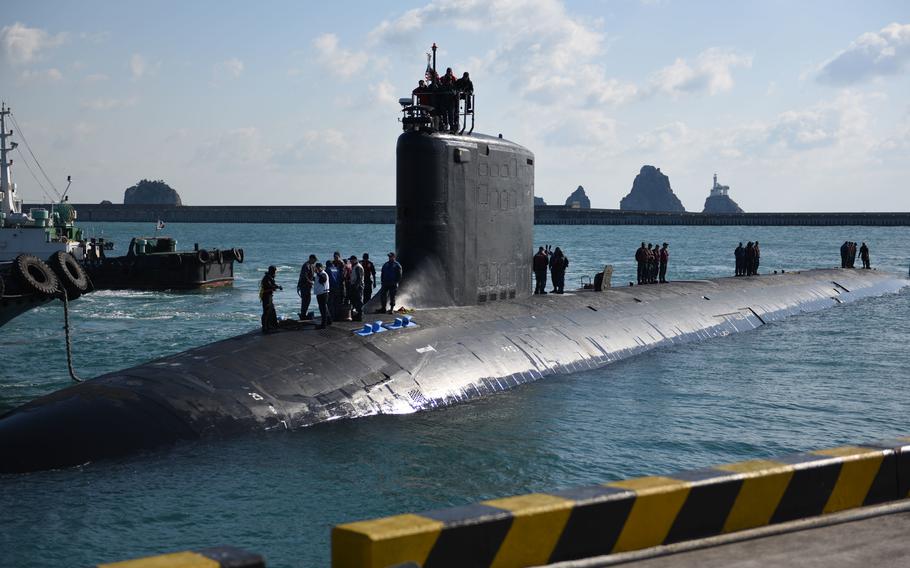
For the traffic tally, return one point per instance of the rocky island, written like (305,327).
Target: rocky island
(148,192)
(578,199)
(651,192)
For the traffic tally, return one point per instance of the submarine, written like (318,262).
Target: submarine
(464,233)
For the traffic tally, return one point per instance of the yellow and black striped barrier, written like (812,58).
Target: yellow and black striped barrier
(541,528)
(217,557)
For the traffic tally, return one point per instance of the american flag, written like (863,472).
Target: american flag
(429,72)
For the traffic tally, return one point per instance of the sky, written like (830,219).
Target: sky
(797,106)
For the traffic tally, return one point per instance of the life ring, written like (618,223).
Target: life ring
(70,273)
(35,275)
(203,256)
(238,254)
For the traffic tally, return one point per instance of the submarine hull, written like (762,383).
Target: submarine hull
(295,379)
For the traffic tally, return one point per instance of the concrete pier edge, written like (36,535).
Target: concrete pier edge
(216,557)
(634,514)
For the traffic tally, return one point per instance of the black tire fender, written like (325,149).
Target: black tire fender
(238,254)
(36,276)
(203,256)
(70,273)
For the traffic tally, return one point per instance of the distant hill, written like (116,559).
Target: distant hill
(539,202)
(148,192)
(578,199)
(651,192)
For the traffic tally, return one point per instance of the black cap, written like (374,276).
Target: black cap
(353,257)
(391,254)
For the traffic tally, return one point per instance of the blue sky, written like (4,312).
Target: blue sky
(798,106)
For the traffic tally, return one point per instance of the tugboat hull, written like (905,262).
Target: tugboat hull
(167,271)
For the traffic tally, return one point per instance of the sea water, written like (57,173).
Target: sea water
(818,380)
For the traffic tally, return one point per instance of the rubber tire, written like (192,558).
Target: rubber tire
(23,267)
(238,254)
(219,258)
(203,256)
(70,273)
(175,260)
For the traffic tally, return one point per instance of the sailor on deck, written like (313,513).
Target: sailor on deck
(321,286)
(355,289)
(390,277)
(305,284)
(267,289)
(541,259)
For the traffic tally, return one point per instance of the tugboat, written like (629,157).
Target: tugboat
(154,263)
(28,239)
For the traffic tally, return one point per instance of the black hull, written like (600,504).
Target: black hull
(15,299)
(12,306)
(162,271)
(294,379)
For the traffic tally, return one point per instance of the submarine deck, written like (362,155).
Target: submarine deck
(295,379)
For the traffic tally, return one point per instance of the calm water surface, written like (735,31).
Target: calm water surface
(817,380)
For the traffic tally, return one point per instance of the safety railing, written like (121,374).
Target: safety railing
(438,111)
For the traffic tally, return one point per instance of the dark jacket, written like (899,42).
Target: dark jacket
(307,275)
(268,286)
(369,272)
(335,275)
(391,272)
(464,85)
(540,262)
(559,263)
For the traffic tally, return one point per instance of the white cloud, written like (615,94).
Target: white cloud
(109,103)
(30,76)
(587,129)
(340,62)
(550,54)
(231,68)
(665,138)
(873,54)
(384,93)
(234,148)
(553,56)
(140,67)
(22,44)
(96,78)
(711,71)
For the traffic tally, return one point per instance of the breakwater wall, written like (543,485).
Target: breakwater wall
(385,214)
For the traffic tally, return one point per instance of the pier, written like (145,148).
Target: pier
(385,215)
(649,517)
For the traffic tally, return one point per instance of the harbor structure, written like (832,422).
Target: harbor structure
(719,200)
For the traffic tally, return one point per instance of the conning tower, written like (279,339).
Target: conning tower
(465,207)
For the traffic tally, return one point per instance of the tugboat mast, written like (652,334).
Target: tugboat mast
(6,185)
